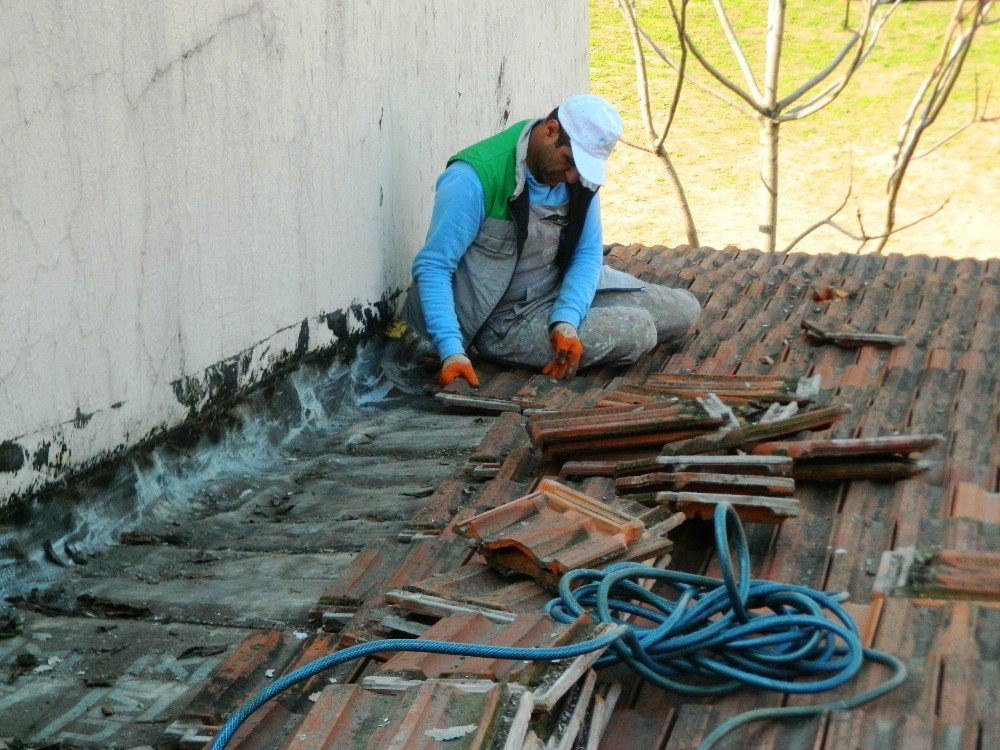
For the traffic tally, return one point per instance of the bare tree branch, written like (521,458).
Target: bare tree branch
(936,146)
(986,106)
(641,79)
(680,78)
(822,75)
(967,17)
(861,54)
(637,146)
(716,74)
(828,220)
(645,111)
(689,76)
(734,43)
(864,238)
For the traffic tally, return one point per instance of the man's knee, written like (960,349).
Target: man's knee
(617,336)
(675,314)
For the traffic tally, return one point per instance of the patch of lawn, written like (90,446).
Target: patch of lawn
(716,145)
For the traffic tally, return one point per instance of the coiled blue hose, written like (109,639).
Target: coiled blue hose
(717,636)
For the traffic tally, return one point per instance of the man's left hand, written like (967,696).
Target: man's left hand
(567,351)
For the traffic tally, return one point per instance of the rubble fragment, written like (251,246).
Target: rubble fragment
(750,508)
(550,531)
(847,336)
(705,482)
(729,388)
(615,428)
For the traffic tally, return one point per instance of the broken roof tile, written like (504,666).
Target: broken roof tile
(479,584)
(477,403)
(534,629)
(437,510)
(826,448)
(348,717)
(614,422)
(750,508)
(235,680)
(815,419)
(844,335)
(544,392)
(705,482)
(550,531)
(761,388)
(506,432)
(779,466)
(867,468)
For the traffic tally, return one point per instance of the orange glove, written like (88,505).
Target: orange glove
(567,352)
(457,366)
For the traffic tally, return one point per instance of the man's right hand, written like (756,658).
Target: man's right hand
(457,366)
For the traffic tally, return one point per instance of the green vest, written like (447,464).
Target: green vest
(495,163)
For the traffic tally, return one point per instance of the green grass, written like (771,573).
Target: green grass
(712,142)
(906,51)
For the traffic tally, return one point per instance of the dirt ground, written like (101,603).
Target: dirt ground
(849,143)
(639,206)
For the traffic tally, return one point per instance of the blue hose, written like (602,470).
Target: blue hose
(715,637)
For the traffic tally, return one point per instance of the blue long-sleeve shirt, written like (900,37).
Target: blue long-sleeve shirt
(455,221)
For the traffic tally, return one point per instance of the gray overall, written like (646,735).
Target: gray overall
(627,318)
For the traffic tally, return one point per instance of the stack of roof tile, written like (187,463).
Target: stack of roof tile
(938,612)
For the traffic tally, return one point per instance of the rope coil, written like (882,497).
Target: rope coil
(718,635)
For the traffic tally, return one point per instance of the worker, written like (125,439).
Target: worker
(513,265)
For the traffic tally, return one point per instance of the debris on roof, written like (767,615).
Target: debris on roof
(603,429)
(423,717)
(729,388)
(838,447)
(480,585)
(835,460)
(695,481)
(529,629)
(917,557)
(750,508)
(551,531)
(477,403)
(844,335)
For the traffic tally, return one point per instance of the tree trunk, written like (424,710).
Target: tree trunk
(689,228)
(768,183)
(769,126)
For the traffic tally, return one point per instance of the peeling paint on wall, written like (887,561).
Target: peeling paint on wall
(12,456)
(211,391)
(220,382)
(41,458)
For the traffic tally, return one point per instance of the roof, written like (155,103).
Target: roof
(859,536)
(943,380)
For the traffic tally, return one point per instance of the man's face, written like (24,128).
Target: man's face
(551,163)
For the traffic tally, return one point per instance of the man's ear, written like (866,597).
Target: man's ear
(551,130)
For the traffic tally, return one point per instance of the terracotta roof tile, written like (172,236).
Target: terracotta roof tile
(944,380)
(533,629)
(479,584)
(551,531)
(236,679)
(348,717)
(972,501)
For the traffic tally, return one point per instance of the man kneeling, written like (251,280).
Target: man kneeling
(514,262)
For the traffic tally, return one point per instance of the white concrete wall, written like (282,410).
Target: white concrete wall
(187,187)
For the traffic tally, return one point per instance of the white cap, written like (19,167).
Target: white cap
(593,127)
